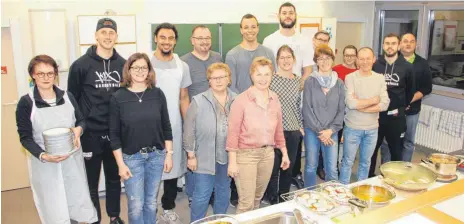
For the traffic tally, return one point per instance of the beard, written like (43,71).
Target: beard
(390,55)
(166,53)
(287,26)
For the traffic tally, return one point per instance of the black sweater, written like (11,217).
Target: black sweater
(423,78)
(400,84)
(92,80)
(134,125)
(23,115)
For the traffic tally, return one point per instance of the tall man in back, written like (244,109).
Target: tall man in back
(401,86)
(173,78)
(92,80)
(239,60)
(198,61)
(304,53)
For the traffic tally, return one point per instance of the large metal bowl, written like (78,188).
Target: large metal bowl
(407,176)
(374,195)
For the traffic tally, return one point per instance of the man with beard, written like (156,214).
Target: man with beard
(287,35)
(240,57)
(198,61)
(239,60)
(173,78)
(93,78)
(400,81)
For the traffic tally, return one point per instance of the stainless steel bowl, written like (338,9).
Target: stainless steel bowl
(445,165)
(407,176)
(374,195)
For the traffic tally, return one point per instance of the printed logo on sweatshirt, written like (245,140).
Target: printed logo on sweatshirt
(107,79)
(392,79)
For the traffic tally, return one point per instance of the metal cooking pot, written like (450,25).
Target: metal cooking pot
(444,164)
(407,176)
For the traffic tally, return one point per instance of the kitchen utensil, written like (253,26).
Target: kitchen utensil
(58,141)
(445,165)
(217,219)
(407,176)
(374,195)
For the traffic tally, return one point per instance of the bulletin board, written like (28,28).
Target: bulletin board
(53,43)
(127,35)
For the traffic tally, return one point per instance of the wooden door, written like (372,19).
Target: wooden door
(14,166)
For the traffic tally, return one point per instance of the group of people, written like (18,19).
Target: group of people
(234,129)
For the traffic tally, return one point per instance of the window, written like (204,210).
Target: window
(446,48)
(399,22)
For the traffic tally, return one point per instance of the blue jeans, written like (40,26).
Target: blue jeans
(204,185)
(189,184)
(329,153)
(410,136)
(142,188)
(354,139)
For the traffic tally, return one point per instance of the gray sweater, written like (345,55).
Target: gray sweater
(320,111)
(202,135)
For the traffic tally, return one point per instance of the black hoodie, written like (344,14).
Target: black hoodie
(92,80)
(400,84)
(423,78)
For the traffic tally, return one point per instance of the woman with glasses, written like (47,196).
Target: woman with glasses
(287,86)
(141,137)
(58,181)
(349,62)
(323,112)
(205,135)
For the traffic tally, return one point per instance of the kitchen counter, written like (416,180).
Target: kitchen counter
(288,206)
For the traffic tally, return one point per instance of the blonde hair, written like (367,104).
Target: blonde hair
(261,61)
(217,66)
(126,77)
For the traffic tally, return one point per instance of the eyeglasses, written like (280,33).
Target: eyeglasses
(202,38)
(349,56)
(220,78)
(42,74)
(324,59)
(138,69)
(322,40)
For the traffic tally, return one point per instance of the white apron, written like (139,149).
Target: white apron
(169,80)
(60,190)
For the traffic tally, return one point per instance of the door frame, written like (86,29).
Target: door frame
(379,17)
(20,67)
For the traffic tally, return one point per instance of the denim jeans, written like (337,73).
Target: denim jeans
(204,185)
(142,188)
(189,184)
(410,136)
(365,140)
(329,153)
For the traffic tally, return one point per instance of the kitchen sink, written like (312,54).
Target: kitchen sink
(276,218)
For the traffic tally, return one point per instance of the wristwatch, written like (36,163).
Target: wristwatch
(169,152)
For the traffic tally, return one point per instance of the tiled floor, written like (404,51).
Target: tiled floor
(18,206)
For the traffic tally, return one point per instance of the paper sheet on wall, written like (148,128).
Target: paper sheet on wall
(309,31)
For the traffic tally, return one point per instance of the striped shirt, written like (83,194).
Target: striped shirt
(289,94)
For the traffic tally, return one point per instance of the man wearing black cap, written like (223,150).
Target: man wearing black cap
(92,79)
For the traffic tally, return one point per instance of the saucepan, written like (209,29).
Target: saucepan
(407,176)
(443,164)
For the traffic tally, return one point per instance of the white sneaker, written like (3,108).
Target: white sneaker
(170,217)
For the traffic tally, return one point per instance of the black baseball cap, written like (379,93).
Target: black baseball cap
(107,23)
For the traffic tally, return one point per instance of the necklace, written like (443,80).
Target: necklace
(223,107)
(140,98)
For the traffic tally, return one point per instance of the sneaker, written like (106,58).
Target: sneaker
(117,220)
(233,203)
(265,201)
(298,182)
(190,202)
(179,189)
(170,217)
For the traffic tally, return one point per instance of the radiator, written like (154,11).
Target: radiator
(441,130)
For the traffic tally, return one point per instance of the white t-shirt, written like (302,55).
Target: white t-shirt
(301,46)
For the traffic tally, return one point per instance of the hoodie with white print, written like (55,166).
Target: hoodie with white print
(400,81)
(92,80)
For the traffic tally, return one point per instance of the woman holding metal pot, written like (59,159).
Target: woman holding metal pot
(58,180)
